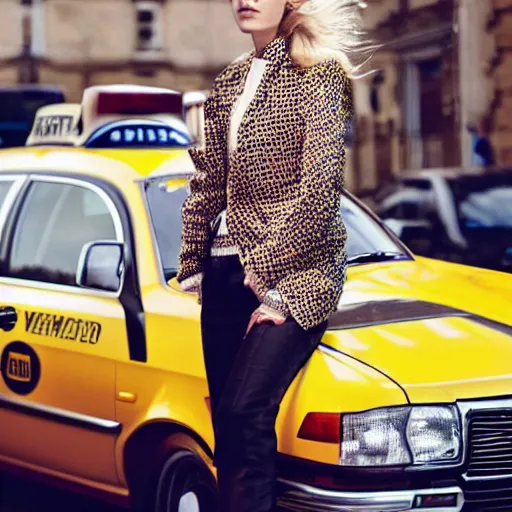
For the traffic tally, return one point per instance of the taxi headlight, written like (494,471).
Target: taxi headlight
(434,434)
(401,436)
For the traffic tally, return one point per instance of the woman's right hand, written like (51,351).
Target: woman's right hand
(265,314)
(249,281)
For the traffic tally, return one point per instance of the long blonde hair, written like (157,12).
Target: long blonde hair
(321,29)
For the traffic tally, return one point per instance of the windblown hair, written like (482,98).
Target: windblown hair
(321,29)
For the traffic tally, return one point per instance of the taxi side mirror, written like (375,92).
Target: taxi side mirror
(101,265)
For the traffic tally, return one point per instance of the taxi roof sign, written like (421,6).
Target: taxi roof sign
(106,103)
(57,124)
(103,106)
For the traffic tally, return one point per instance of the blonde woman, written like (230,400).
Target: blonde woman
(263,242)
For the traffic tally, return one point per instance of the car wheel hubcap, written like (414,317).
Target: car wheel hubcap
(189,503)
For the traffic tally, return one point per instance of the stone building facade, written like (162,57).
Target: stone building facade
(178,44)
(499,70)
(407,110)
(442,64)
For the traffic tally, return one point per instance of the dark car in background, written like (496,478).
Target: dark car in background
(18,106)
(450,214)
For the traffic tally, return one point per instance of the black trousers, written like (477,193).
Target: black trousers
(247,377)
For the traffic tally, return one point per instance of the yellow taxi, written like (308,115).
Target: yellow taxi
(406,404)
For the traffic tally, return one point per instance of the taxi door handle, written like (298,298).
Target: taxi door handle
(8,318)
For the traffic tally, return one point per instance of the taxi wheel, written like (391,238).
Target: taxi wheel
(185,485)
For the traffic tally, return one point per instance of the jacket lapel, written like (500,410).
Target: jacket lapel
(256,105)
(276,55)
(235,82)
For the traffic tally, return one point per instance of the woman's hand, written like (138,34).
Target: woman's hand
(249,282)
(193,284)
(265,314)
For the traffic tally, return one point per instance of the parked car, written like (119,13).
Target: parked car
(405,405)
(453,215)
(18,107)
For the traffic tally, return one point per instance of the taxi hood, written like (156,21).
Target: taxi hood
(442,332)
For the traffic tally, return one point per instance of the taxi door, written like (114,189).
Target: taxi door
(58,357)
(9,188)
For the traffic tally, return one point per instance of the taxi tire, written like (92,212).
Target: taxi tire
(185,472)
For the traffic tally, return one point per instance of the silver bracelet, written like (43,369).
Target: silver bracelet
(274,300)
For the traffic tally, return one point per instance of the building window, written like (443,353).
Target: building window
(32,25)
(149,28)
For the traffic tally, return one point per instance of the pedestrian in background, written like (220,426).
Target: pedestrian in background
(263,242)
(482,150)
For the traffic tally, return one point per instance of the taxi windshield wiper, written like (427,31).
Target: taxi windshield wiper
(371,257)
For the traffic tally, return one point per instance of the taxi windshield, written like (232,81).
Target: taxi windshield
(165,197)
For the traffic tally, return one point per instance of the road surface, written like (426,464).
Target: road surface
(19,495)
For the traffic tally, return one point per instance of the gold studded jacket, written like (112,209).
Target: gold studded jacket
(281,186)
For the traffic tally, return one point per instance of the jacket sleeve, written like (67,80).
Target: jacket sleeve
(207,196)
(292,238)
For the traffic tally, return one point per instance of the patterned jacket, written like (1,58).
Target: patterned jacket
(282,192)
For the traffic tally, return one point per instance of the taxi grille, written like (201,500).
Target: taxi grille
(488,496)
(490,444)
(488,487)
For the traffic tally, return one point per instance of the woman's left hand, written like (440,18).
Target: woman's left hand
(265,314)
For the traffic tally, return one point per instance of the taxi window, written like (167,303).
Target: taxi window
(56,221)
(364,234)
(165,198)
(4,189)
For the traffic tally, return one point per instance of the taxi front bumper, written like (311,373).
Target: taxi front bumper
(301,497)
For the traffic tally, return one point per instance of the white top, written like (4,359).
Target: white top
(242,103)
(251,85)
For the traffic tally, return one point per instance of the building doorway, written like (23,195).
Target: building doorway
(431,135)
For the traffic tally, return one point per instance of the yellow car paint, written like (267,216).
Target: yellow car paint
(435,360)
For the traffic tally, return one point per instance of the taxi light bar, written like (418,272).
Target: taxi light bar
(129,103)
(321,426)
